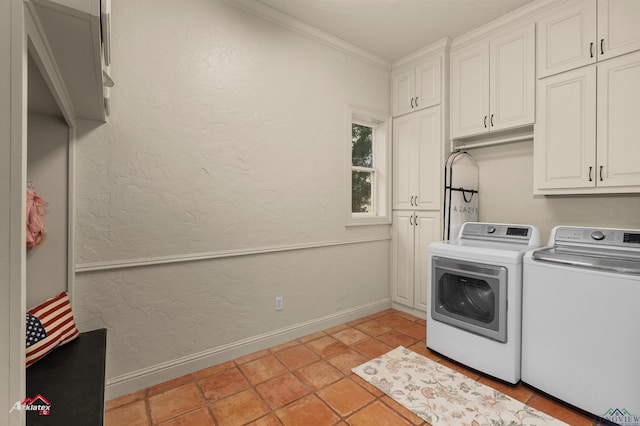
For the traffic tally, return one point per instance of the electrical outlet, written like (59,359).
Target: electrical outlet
(279,303)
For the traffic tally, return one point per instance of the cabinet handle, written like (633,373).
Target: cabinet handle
(485,121)
(411,201)
(415,220)
(602,46)
(491,120)
(416,101)
(416,201)
(590,180)
(601,174)
(411,220)
(412,103)
(591,49)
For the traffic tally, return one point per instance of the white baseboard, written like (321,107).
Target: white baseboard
(140,379)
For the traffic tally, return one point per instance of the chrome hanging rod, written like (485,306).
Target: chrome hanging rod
(502,141)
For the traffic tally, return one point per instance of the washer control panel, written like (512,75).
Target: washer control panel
(602,236)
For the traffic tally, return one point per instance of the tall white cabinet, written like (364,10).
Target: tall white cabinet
(418,156)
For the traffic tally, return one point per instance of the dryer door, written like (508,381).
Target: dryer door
(471,296)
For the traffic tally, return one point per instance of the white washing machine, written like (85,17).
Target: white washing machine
(475,290)
(581,321)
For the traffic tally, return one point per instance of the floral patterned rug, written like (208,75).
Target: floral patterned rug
(442,396)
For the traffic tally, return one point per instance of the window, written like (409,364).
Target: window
(368,165)
(363,174)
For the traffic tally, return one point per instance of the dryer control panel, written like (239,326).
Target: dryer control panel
(500,232)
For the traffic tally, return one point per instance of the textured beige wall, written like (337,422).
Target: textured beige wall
(226,134)
(506,195)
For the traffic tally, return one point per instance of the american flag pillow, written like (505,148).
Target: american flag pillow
(49,325)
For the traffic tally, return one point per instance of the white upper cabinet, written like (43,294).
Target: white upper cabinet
(581,146)
(618,150)
(565,137)
(566,38)
(493,84)
(618,27)
(417,87)
(416,160)
(512,79)
(586,31)
(470,90)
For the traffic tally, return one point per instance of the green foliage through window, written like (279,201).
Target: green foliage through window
(362,173)
(361,145)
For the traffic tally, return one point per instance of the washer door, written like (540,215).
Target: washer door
(471,296)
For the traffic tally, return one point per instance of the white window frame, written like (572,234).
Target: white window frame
(381,182)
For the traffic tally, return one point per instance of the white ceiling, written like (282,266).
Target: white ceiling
(391,29)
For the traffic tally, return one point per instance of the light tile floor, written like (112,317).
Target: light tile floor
(305,382)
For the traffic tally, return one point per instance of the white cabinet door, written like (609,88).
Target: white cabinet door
(566,38)
(404,156)
(493,84)
(618,27)
(470,90)
(512,83)
(416,160)
(412,232)
(565,133)
(402,92)
(427,161)
(618,121)
(402,257)
(428,81)
(416,88)
(427,230)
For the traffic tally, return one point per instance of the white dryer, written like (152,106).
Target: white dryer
(581,327)
(475,290)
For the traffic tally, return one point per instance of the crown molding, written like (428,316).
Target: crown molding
(519,16)
(441,46)
(279,18)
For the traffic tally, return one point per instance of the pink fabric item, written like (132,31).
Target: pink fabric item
(35,219)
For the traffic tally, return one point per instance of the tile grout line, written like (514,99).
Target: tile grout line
(253,388)
(357,347)
(147,406)
(205,403)
(313,392)
(344,376)
(287,368)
